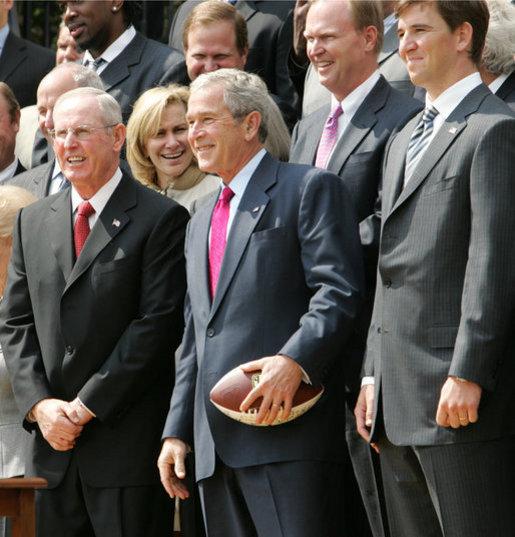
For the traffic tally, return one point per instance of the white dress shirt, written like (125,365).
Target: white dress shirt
(4,32)
(498,82)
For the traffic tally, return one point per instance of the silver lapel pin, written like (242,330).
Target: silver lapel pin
(116,223)
(453,130)
(255,210)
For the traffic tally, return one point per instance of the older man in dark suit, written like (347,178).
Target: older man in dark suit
(343,42)
(22,63)
(441,349)
(274,267)
(128,63)
(91,317)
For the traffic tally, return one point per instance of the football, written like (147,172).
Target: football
(230,391)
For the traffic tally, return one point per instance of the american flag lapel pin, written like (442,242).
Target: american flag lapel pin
(116,223)
(255,210)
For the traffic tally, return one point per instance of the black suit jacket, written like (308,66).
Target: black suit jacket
(269,25)
(143,64)
(507,91)
(22,66)
(289,284)
(104,328)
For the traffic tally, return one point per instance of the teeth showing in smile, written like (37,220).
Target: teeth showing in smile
(173,156)
(75,159)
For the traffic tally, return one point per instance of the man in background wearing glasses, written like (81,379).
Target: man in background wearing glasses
(90,320)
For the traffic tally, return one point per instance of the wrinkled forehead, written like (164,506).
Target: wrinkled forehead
(76,110)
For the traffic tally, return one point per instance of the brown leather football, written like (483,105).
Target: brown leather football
(230,391)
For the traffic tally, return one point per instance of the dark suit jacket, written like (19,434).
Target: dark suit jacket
(507,91)
(35,180)
(104,329)
(22,66)
(143,64)
(269,25)
(357,159)
(289,284)
(446,291)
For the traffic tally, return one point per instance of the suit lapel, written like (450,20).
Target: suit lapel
(13,53)
(507,87)
(444,138)
(110,222)
(118,69)
(59,227)
(362,122)
(252,205)
(246,9)
(198,252)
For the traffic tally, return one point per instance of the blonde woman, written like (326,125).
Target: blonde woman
(158,150)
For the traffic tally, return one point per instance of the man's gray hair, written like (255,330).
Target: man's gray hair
(500,39)
(243,93)
(83,77)
(110,109)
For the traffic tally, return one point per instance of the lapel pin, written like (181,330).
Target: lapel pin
(255,210)
(116,223)
(453,130)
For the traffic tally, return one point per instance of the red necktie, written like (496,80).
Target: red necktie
(219,221)
(328,138)
(81,229)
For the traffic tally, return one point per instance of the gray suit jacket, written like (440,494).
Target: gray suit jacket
(36,180)
(143,64)
(507,91)
(289,284)
(22,66)
(446,282)
(357,159)
(103,328)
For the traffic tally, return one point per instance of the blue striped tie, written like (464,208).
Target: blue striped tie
(419,141)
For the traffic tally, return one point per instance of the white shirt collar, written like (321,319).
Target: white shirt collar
(498,82)
(101,197)
(9,171)
(113,50)
(240,181)
(353,101)
(449,100)
(57,169)
(4,32)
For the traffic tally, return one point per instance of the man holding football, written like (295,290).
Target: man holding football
(274,271)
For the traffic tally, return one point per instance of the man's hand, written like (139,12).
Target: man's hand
(459,403)
(171,467)
(364,413)
(77,413)
(55,426)
(280,379)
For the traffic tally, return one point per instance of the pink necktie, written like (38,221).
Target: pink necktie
(81,228)
(219,221)
(329,137)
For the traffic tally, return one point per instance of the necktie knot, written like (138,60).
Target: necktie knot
(94,65)
(429,114)
(227,195)
(335,113)
(85,209)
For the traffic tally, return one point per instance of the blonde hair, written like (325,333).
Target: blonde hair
(12,199)
(144,123)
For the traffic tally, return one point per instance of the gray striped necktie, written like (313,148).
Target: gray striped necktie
(94,65)
(419,141)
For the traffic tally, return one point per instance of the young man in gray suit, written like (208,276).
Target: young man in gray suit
(90,320)
(128,63)
(274,271)
(344,39)
(441,350)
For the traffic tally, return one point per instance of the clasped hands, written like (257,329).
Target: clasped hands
(457,407)
(280,379)
(61,422)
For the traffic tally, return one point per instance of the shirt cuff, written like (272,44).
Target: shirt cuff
(367,381)
(86,408)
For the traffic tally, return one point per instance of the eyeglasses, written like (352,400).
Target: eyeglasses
(82,132)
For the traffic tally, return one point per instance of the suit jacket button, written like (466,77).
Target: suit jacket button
(388,283)
(69,349)
(378,329)
(210,332)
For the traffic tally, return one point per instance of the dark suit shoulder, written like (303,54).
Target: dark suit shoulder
(35,179)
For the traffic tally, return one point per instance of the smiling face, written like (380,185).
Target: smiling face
(87,164)
(434,54)
(169,149)
(212,47)
(340,54)
(66,47)
(222,144)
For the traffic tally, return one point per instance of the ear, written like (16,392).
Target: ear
(370,36)
(245,56)
(16,121)
(116,5)
(119,136)
(464,33)
(251,125)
